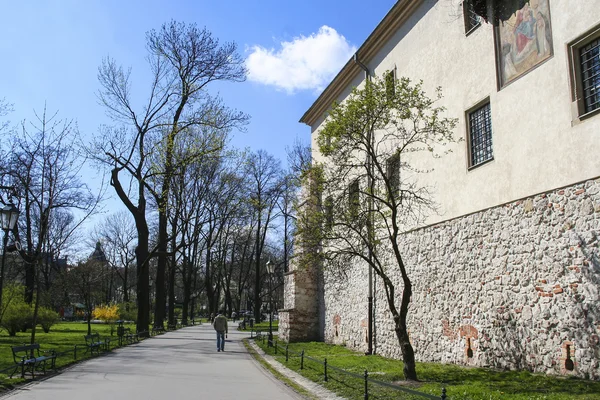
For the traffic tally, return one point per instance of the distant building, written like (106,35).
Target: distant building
(508,274)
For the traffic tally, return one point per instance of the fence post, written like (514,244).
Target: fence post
(75,353)
(366,385)
(286,353)
(325,369)
(444,393)
(302,360)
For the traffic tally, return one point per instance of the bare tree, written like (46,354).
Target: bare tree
(299,159)
(265,180)
(84,282)
(118,235)
(184,60)
(44,169)
(5,108)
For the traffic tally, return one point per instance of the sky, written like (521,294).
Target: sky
(50,52)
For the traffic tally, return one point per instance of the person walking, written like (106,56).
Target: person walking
(220,325)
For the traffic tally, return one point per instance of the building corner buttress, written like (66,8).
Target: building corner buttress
(302,317)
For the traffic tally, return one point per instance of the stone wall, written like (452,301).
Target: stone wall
(300,319)
(511,287)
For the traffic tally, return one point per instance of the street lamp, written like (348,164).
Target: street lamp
(9,215)
(270,272)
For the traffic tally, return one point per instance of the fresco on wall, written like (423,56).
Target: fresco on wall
(524,41)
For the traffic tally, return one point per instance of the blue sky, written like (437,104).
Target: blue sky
(51,50)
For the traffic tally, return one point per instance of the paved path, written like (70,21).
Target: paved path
(183,364)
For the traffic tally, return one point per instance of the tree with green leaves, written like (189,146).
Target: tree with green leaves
(375,147)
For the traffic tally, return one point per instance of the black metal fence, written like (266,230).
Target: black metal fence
(326,368)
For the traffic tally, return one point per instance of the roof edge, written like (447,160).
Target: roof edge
(398,14)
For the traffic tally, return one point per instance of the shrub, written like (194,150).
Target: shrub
(108,314)
(16,316)
(128,311)
(46,318)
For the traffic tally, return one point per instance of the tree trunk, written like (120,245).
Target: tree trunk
(142,252)
(257,281)
(187,289)
(125,288)
(210,293)
(160,304)
(143,285)
(408,354)
(29,281)
(172,271)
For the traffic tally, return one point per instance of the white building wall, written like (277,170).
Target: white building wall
(538,145)
(511,263)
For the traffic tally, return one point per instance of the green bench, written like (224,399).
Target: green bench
(94,344)
(29,357)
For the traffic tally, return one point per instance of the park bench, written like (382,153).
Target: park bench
(126,335)
(157,329)
(93,343)
(29,357)
(129,336)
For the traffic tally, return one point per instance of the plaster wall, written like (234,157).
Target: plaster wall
(538,142)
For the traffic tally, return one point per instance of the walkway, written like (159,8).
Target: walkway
(183,364)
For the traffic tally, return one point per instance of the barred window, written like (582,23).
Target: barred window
(480,135)
(589,59)
(584,63)
(472,20)
(393,174)
(390,83)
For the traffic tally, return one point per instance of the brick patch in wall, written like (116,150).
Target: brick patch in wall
(567,355)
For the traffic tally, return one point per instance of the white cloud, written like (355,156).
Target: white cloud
(304,63)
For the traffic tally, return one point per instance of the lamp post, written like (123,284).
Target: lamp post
(270,272)
(9,215)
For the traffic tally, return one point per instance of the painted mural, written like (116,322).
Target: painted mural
(524,40)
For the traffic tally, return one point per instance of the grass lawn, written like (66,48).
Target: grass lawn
(460,382)
(263,326)
(62,337)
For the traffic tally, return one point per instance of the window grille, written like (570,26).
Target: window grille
(472,20)
(480,134)
(390,84)
(589,56)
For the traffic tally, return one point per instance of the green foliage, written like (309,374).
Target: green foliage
(46,318)
(16,317)
(360,136)
(16,314)
(376,144)
(128,311)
